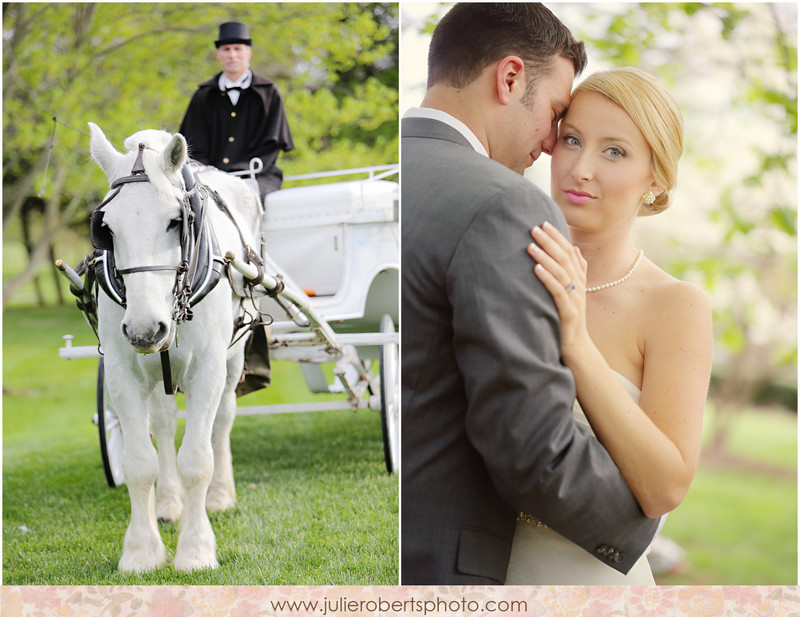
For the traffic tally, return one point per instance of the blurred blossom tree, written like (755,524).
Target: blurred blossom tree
(129,66)
(732,68)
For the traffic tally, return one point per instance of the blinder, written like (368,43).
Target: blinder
(99,232)
(201,264)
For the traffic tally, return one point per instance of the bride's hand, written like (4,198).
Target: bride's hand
(562,270)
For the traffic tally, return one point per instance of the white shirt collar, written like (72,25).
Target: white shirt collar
(243,82)
(443,116)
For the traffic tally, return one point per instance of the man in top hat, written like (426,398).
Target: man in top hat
(237,115)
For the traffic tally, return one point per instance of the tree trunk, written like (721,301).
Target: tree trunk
(53,222)
(56,277)
(26,241)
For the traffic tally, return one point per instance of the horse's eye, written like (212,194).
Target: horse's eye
(174,224)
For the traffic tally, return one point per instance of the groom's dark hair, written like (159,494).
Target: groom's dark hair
(473,35)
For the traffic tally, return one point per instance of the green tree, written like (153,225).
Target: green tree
(129,66)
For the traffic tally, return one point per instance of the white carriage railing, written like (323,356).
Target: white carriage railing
(387,171)
(375,172)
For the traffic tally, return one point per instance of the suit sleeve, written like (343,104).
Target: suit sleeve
(507,341)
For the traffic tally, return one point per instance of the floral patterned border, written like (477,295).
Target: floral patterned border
(413,601)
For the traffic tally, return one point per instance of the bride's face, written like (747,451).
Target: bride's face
(601,165)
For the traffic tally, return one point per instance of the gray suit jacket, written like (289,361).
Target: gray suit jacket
(487,429)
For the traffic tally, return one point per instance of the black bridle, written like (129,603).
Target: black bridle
(193,278)
(200,265)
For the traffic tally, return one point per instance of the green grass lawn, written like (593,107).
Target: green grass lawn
(738,525)
(315,504)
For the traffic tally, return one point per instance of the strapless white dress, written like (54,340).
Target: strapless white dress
(540,556)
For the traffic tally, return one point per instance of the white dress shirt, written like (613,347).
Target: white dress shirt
(243,82)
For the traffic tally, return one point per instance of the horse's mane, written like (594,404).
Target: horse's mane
(155,142)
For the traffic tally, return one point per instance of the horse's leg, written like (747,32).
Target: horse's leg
(169,490)
(196,542)
(222,491)
(143,548)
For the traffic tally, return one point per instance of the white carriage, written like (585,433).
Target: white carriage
(334,250)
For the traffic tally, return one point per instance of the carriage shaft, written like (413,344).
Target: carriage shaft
(299,301)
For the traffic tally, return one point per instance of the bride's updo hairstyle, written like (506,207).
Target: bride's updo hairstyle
(657,116)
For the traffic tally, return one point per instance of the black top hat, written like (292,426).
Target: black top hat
(233,32)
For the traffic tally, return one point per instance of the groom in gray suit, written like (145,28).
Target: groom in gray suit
(487,430)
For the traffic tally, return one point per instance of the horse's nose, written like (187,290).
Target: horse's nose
(146,339)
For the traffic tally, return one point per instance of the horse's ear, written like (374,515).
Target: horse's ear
(175,154)
(102,151)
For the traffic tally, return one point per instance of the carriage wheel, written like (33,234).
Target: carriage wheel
(110,434)
(390,399)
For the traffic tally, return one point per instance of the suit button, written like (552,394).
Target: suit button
(233,114)
(226,160)
(618,557)
(230,139)
(602,550)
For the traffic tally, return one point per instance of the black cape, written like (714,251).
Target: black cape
(227,136)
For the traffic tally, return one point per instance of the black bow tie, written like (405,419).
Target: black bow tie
(238,88)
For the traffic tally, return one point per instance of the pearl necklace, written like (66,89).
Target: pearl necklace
(618,281)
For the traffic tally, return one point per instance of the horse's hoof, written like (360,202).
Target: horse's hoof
(169,512)
(137,564)
(195,562)
(142,554)
(218,500)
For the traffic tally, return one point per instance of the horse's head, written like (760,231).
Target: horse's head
(144,220)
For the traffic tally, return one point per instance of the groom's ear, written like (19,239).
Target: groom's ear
(510,79)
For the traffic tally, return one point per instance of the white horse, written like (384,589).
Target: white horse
(144,220)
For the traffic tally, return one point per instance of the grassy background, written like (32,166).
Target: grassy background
(738,524)
(315,504)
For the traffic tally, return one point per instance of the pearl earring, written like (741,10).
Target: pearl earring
(648,198)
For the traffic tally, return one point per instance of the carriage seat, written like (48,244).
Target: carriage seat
(314,232)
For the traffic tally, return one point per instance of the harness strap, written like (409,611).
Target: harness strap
(114,185)
(166,372)
(138,165)
(85,298)
(196,256)
(250,254)
(148,269)
(274,293)
(137,171)
(128,179)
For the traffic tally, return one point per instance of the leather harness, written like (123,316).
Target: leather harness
(200,266)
